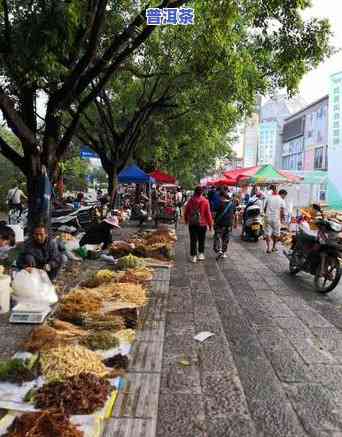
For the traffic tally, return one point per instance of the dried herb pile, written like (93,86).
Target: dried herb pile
(103,322)
(101,340)
(125,336)
(137,276)
(43,424)
(65,361)
(16,371)
(104,276)
(130,262)
(124,293)
(80,301)
(80,394)
(117,362)
(59,333)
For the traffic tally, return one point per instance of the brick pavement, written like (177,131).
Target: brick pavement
(273,367)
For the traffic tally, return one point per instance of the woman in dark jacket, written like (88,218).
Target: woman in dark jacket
(224,219)
(101,233)
(41,252)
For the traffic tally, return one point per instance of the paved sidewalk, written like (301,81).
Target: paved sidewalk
(273,368)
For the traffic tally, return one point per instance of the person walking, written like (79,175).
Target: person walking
(14,199)
(179,201)
(198,216)
(224,219)
(275,215)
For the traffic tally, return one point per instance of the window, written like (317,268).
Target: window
(336,107)
(323,192)
(336,116)
(319,156)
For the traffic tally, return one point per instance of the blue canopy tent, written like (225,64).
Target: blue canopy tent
(134,175)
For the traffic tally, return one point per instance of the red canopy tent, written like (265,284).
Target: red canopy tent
(224,182)
(290,176)
(237,175)
(163,178)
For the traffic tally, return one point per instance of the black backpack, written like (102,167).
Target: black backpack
(195,217)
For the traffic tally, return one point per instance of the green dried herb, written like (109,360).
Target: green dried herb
(16,370)
(101,340)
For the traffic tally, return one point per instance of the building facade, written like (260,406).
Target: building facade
(272,118)
(335,141)
(250,137)
(305,138)
(268,139)
(233,163)
(250,141)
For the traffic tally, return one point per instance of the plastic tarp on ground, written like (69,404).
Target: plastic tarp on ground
(163,178)
(134,175)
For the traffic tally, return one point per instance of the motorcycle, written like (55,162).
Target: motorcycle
(318,254)
(80,218)
(253,225)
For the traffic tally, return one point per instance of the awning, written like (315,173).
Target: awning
(236,175)
(134,175)
(163,178)
(224,182)
(267,174)
(292,178)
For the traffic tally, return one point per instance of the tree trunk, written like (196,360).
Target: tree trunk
(112,184)
(110,181)
(39,190)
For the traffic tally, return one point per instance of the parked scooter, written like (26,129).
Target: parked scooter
(80,218)
(318,254)
(15,218)
(253,225)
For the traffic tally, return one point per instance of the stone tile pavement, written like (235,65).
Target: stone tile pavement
(273,367)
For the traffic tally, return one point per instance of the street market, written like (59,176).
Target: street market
(170,218)
(92,327)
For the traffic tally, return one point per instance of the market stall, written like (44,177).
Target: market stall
(135,175)
(264,175)
(65,378)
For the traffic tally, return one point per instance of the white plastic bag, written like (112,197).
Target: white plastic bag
(71,245)
(34,287)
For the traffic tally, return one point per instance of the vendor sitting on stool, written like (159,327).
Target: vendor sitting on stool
(101,233)
(41,252)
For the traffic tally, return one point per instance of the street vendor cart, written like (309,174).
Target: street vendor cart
(165,213)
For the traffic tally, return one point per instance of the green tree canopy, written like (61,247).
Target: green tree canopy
(69,50)
(174,103)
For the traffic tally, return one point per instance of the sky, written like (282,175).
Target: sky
(316,83)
